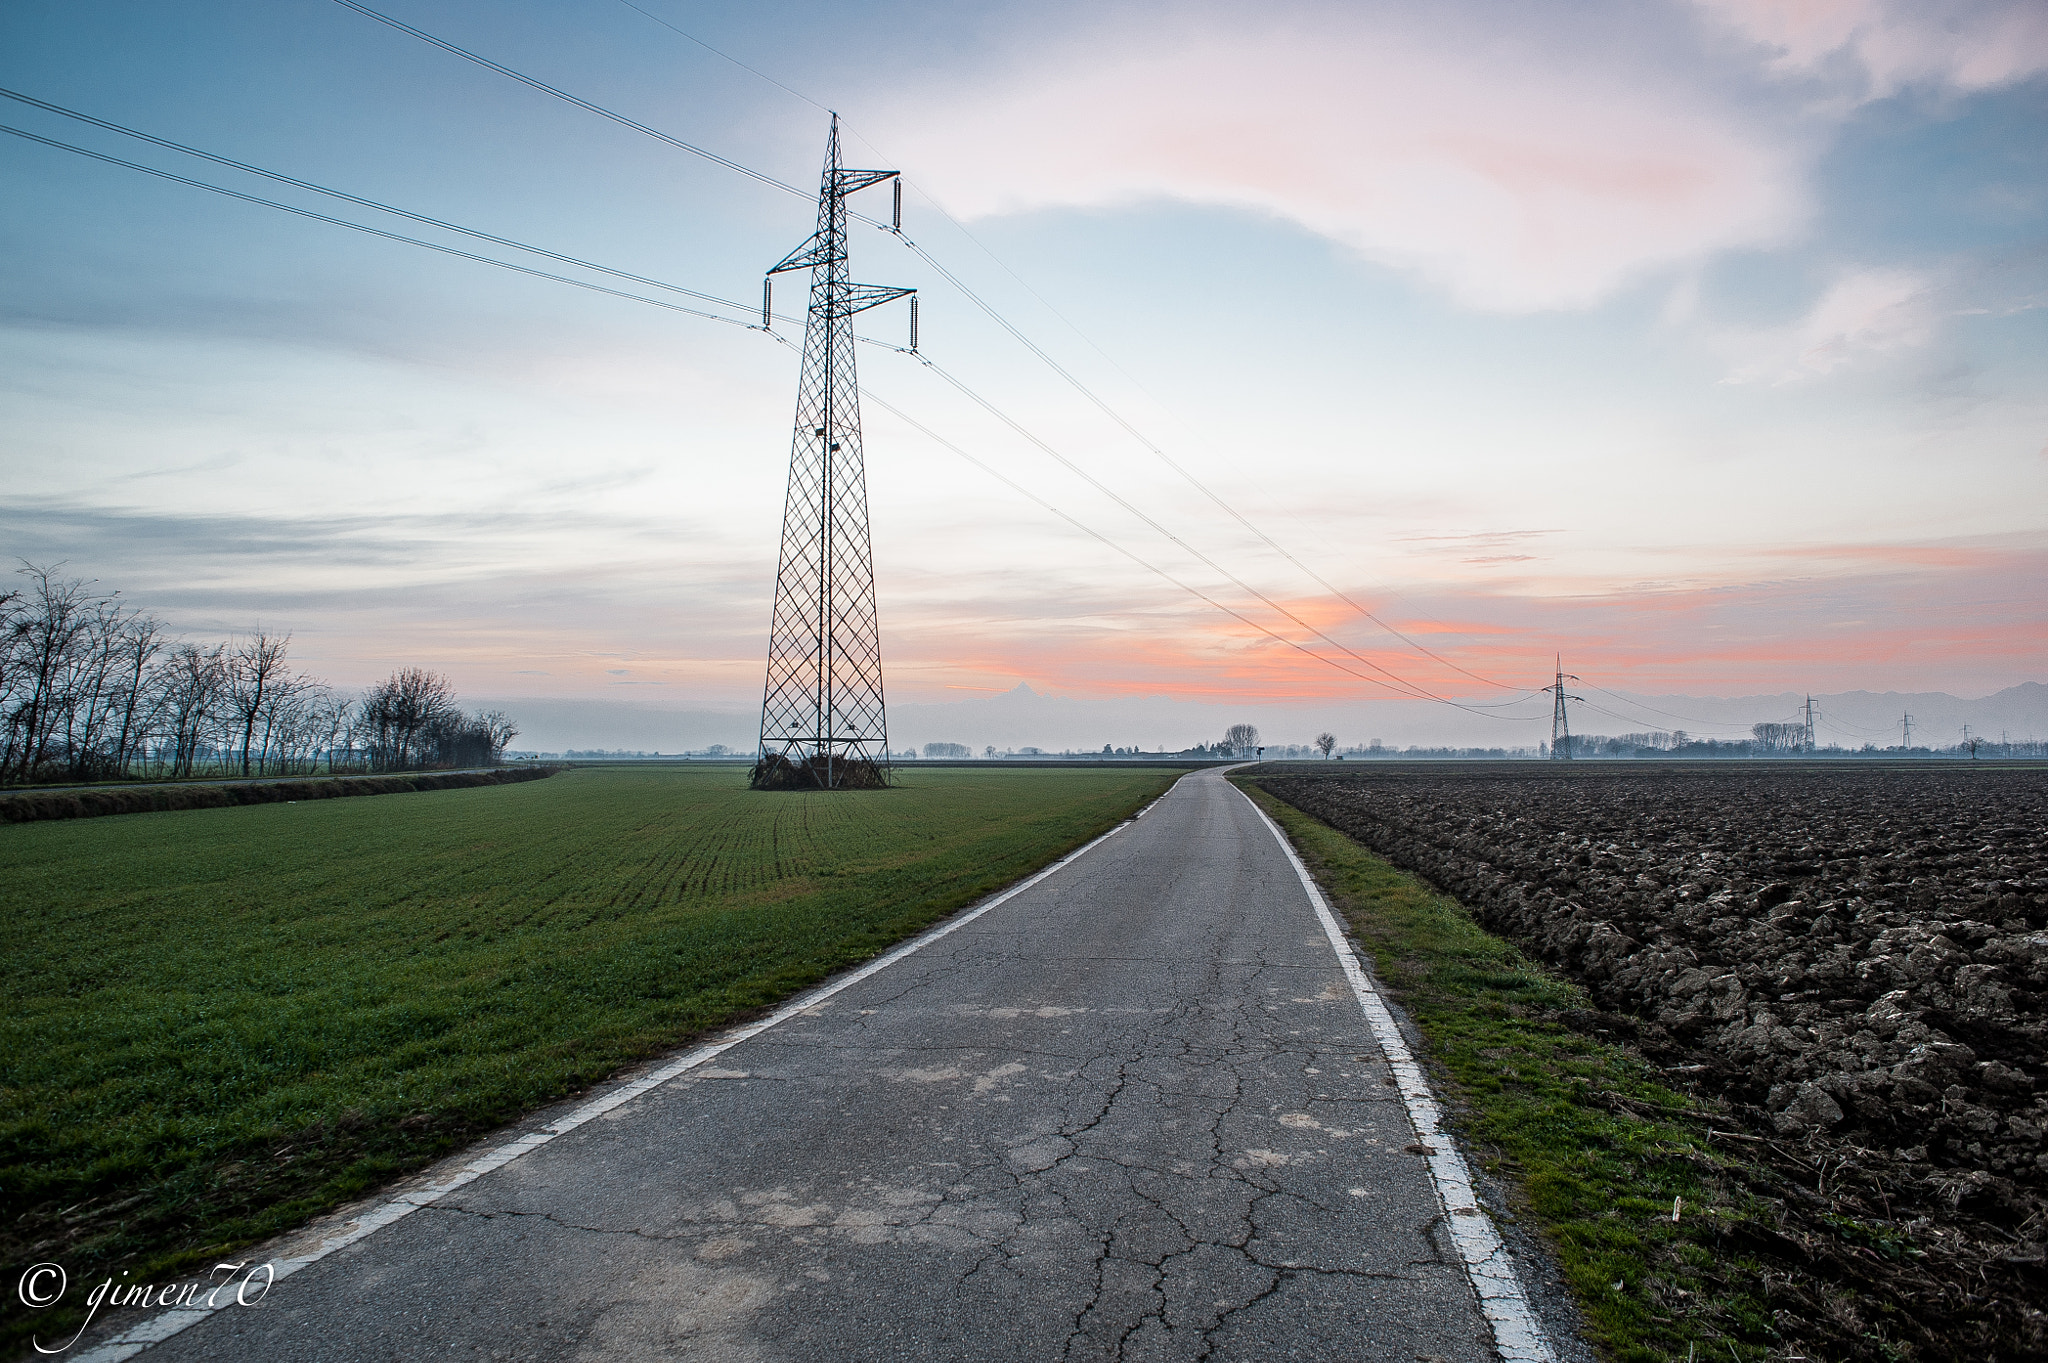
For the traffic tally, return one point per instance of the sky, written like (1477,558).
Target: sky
(1700,342)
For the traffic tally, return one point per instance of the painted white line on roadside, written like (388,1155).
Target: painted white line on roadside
(1517,1334)
(158,1328)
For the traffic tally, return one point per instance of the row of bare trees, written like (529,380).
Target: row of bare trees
(93,690)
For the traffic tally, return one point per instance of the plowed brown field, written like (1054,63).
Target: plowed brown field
(1852,959)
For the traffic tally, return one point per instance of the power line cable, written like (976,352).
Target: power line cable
(1148,520)
(1853,730)
(943,272)
(1397,684)
(1185,474)
(1142,562)
(380,232)
(585,104)
(918,189)
(754,70)
(358,199)
(1630,719)
(1064,320)
(1629,700)
(1400,682)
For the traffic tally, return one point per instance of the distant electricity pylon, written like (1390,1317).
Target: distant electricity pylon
(1906,728)
(1806,737)
(1560,723)
(823,722)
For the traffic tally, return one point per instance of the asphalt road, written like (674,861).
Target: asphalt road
(1133,1112)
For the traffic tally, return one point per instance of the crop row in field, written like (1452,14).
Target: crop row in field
(221,1021)
(1853,958)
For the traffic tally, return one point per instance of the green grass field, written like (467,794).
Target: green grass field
(219,1022)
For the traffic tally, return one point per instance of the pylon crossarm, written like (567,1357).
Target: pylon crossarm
(847,181)
(814,252)
(860,297)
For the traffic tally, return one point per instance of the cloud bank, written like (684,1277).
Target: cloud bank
(1880,47)
(1508,180)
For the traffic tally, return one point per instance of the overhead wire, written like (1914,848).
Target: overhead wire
(895,229)
(716,52)
(1630,700)
(695,312)
(380,232)
(1044,357)
(1184,473)
(1142,562)
(1855,731)
(1396,682)
(361,201)
(946,274)
(561,94)
(1630,719)
(1393,682)
(917,189)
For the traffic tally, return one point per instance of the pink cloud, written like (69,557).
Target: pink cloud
(1489,170)
(1887,45)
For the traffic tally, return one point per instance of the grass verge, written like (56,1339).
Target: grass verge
(1596,1151)
(220,1022)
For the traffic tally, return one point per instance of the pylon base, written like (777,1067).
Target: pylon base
(777,772)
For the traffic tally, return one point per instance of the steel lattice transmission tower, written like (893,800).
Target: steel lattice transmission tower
(1560,723)
(823,722)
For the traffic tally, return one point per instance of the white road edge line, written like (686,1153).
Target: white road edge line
(159,1328)
(1517,1334)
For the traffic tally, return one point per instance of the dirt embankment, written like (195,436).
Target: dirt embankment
(25,806)
(1854,960)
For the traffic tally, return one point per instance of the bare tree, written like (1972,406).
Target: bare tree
(256,668)
(95,689)
(501,729)
(191,682)
(1325,743)
(100,699)
(48,634)
(287,716)
(13,627)
(142,641)
(1779,737)
(330,723)
(453,739)
(400,713)
(1241,739)
(76,674)
(14,672)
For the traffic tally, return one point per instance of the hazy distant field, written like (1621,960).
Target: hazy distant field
(218,1021)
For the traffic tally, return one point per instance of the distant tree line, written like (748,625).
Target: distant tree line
(1239,741)
(1378,751)
(92,690)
